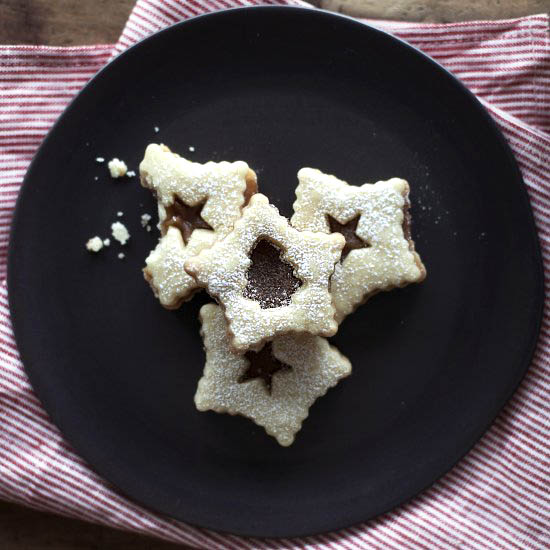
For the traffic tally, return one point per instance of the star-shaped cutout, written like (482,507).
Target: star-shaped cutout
(264,365)
(225,187)
(312,366)
(353,241)
(384,256)
(186,218)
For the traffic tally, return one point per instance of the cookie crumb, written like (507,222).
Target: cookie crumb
(106,242)
(130,173)
(156,128)
(95,244)
(100,159)
(121,256)
(192,149)
(117,168)
(145,219)
(120,233)
(120,213)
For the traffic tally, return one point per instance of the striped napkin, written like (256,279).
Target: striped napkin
(497,497)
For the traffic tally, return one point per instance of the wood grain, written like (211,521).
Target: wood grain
(62,22)
(24,529)
(70,22)
(437,11)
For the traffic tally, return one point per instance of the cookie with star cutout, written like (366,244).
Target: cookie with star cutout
(275,386)
(379,253)
(197,203)
(270,278)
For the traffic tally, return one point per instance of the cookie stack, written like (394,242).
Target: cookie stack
(281,287)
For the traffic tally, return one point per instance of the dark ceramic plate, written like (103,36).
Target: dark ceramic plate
(280,88)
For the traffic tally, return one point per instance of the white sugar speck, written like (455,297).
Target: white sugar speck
(100,159)
(156,128)
(95,244)
(120,214)
(106,242)
(96,178)
(121,256)
(130,173)
(120,233)
(192,149)
(145,219)
(117,168)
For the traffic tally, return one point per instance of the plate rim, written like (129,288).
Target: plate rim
(78,442)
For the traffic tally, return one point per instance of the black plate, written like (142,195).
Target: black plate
(281,88)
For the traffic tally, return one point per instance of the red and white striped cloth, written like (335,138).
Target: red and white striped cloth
(497,497)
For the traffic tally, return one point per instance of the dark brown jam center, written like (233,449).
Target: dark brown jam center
(185,218)
(353,241)
(263,364)
(271,280)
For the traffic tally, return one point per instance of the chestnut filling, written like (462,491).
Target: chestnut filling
(185,218)
(263,364)
(353,241)
(271,280)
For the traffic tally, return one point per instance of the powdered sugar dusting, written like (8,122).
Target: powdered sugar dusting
(389,261)
(222,270)
(315,367)
(164,266)
(222,185)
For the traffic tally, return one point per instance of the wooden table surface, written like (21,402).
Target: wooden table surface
(67,22)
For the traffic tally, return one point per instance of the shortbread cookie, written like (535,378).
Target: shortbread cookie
(164,266)
(273,387)
(269,277)
(196,196)
(200,202)
(374,218)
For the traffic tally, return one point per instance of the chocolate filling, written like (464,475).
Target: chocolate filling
(353,241)
(263,364)
(407,220)
(271,280)
(185,218)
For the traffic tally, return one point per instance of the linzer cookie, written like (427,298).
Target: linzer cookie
(379,253)
(269,277)
(200,202)
(192,195)
(274,387)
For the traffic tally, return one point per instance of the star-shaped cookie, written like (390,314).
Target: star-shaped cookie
(300,368)
(223,188)
(164,266)
(288,293)
(200,202)
(379,252)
